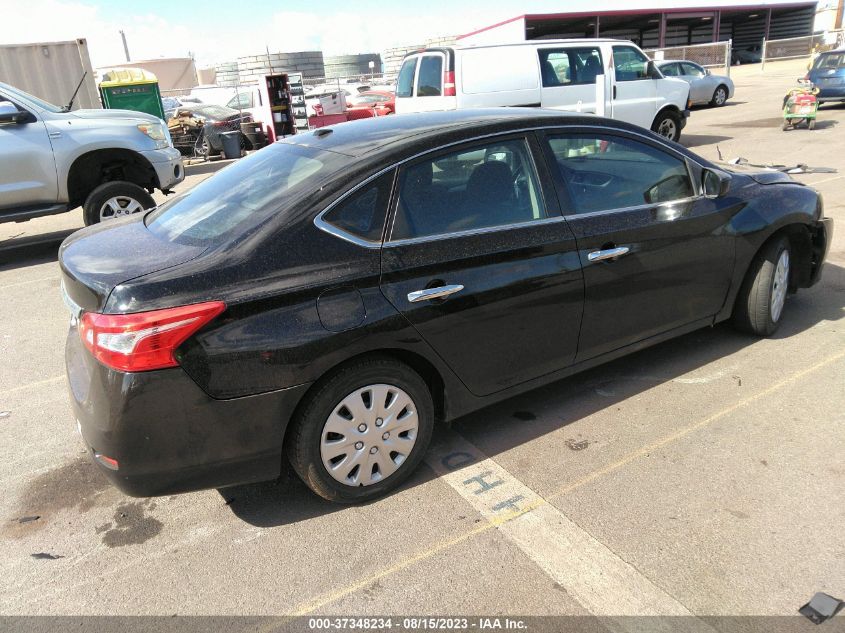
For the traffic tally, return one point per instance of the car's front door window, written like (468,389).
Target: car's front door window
(478,187)
(604,172)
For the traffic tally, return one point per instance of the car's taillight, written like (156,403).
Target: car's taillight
(449,83)
(144,340)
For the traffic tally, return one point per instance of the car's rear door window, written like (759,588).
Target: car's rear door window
(405,80)
(430,82)
(692,69)
(605,172)
(362,213)
(482,186)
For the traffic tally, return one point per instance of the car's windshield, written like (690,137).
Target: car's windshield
(243,194)
(26,97)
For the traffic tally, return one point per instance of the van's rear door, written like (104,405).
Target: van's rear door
(429,89)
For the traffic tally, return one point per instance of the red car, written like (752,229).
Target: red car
(381,101)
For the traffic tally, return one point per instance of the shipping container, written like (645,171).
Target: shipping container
(51,71)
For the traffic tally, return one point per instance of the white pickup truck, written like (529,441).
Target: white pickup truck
(54,160)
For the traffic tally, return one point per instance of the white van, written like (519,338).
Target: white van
(549,74)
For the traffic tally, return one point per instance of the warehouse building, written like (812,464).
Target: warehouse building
(660,28)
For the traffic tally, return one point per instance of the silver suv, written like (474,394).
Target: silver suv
(54,160)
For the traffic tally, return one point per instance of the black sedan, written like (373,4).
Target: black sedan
(334,296)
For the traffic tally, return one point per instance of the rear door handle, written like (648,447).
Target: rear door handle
(609,253)
(434,293)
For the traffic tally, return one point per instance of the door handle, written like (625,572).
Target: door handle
(433,293)
(609,253)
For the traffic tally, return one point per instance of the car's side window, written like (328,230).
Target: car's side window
(692,69)
(670,70)
(604,172)
(569,66)
(629,64)
(482,186)
(363,212)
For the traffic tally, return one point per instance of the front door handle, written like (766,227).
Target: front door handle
(609,253)
(433,293)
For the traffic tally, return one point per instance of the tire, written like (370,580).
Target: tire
(114,199)
(309,443)
(785,125)
(765,286)
(668,125)
(811,124)
(720,97)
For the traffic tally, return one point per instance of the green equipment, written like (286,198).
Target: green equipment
(131,89)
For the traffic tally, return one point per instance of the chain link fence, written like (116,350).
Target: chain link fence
(713,55)
(799,47)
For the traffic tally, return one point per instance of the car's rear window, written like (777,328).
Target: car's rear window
(245,193)
(826,61)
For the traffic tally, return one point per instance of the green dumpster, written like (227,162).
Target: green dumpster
(131,89)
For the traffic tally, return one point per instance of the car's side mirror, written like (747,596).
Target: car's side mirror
(707,72)
(9,113)
(715,183)
(652,71)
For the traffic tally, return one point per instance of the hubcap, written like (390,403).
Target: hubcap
(388,417)
(667,128)
(780,284)
(119,206)
(720,96)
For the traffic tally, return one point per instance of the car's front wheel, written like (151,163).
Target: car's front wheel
(114,200)
(761,300)
(363,431)
(720,97)
(668,125)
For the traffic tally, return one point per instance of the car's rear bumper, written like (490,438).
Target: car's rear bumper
(167,435)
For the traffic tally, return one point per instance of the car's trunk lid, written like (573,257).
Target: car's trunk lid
(98,258)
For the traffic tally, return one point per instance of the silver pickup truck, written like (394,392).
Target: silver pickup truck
(53,160)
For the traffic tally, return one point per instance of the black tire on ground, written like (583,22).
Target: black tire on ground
(811,124)
(668,125)
(720,91)
(128,195)
(753,308)
(303,442)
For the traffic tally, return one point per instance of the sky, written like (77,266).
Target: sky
(215,31)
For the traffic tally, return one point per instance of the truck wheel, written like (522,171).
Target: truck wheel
(114,200)
(363,432)
(668,125)
(759,305)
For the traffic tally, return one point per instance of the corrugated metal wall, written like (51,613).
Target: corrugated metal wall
(51,71)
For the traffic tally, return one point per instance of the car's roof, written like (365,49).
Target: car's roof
(356,138)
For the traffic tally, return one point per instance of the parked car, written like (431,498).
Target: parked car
(828,75)
(381,101)
(558,74)
(55,160)
(336,294)
(171,104)
(196,128)
(747,55)
(705,87)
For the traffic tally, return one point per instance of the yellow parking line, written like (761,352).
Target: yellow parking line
(30,385)
(328,598)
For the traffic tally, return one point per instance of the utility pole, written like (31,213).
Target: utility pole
(125,45)
(837,23)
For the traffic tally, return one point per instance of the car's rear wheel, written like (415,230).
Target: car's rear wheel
(761,300)
(114,200)
(363,431)
(668,125)
(720,96)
